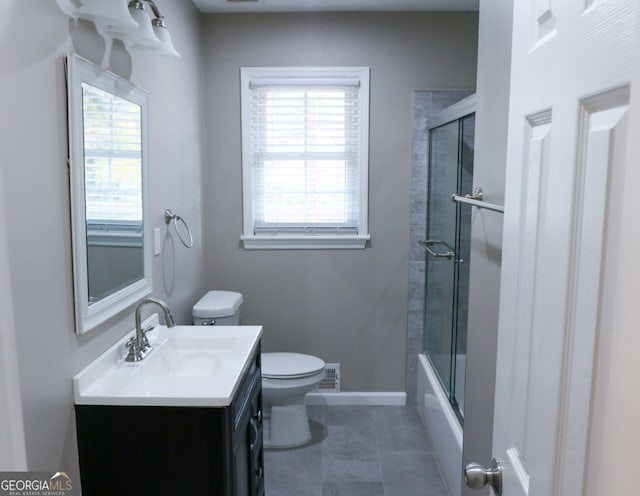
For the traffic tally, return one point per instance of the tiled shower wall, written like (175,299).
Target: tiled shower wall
(425,105)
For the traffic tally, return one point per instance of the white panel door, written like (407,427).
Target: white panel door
(570,87)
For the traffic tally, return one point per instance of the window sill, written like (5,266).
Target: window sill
(305,242)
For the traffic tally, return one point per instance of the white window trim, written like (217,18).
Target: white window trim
(126,234)
(274,75)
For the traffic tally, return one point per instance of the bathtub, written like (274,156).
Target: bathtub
(441,423)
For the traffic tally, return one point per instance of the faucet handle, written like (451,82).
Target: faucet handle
(133,340)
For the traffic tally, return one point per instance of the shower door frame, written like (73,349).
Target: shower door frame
(455,112)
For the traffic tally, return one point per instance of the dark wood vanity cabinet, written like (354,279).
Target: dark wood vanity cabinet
(174,451)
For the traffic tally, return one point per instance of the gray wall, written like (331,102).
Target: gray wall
(12,453)
(35,191)
(344,306)
(492,108)
(113,267)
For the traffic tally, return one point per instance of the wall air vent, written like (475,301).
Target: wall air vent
(331,383)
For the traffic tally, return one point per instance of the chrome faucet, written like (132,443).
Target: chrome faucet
(139,346)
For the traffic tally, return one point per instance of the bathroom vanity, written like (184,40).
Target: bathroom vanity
(188,422)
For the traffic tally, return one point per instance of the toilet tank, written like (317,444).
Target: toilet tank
(218,308)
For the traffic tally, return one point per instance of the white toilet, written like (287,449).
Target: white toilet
(286,377)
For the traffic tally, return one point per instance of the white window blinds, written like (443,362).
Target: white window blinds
(113,158)
(303,156)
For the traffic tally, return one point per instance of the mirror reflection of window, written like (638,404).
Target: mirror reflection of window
(113,191)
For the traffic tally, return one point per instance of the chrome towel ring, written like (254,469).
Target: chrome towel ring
(182,236)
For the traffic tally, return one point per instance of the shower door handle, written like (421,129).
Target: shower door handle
(428,243)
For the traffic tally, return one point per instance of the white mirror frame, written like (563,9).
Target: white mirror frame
(78,71)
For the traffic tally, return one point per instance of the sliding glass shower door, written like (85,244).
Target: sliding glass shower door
(447,248)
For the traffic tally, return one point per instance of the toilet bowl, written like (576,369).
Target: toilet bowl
(286,380)
(286,377)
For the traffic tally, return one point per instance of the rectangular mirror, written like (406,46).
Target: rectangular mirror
(108,178)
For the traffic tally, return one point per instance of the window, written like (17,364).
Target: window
(305,157)
(112,168)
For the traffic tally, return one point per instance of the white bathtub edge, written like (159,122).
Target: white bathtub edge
(441,424)
(357,399)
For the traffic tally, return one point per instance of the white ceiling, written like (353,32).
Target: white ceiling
(332,5)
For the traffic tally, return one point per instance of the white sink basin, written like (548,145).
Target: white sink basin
(188,366)
(188,357)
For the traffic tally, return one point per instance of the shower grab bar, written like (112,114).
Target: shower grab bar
(475,199)
(427,243)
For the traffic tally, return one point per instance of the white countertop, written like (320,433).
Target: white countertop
(188,366)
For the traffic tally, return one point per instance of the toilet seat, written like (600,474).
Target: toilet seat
(290,366)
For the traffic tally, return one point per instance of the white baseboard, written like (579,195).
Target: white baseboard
(357,399)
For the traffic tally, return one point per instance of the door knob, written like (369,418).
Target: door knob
(476,476)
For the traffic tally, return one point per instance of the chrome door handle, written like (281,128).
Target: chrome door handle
(428,243)
(477,476)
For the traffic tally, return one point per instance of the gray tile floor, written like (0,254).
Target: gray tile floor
(357,451)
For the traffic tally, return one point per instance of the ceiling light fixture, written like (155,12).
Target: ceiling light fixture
(106,12)
(166,45)
(140,35)
(134,26)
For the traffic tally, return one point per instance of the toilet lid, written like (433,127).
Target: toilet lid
(290,365)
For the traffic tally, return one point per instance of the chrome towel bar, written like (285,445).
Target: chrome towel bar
(428,243)
(475,199)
